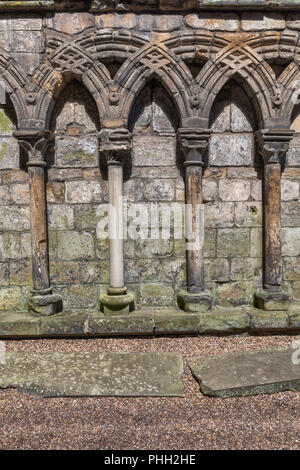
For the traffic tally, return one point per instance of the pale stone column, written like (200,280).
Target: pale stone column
(116,146)
(273,145)
(194,143)
(42,300)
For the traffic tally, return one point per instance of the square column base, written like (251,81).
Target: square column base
(195,302)
(115,304)
(45,305)
(272,300)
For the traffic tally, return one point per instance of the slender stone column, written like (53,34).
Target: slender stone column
(194,143)
(42,300)
(116,146)
(273,145)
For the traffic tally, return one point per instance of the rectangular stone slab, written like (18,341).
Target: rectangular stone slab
(56,374)
(247,373)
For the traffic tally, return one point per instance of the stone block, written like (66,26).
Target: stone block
(246,269)
(55,192)
(28,61)
(70,23)
(272,321)
(242,116)
(271,300)
(256,190)
(60,217)
(234,294)
(154,151)
(209,190)
(293,155)
(4,274)
(76,152)
(64,272)
(85,217)
(213,21)
(21,272)
(83,192)
(75,245)
(14,218)
(78,296)
(157,295)
(13,324)
(289,190)
(121,325)
(9,153)
(5,197)
(290,214)
(256,242)
(233,242)
(166,23)
(64,324)
(164,115)
(26,41)
(195,302)
(291,241)
(114,20)
(248,214)
(159,190)
(7,125)
(94,272)
(153,248)
(20,193)
(11,299)
(294,316)
(291,269)
(231,150)
(234,190)
(217,270)
(262,21)
(14,246)
(225,321)
(219,214)
(176,323)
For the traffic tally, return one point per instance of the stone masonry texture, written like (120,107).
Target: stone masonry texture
(48,40)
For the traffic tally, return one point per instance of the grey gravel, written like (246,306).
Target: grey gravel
(194,422)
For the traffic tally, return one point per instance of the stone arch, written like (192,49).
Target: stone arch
(290,83)
(155,61)
(242,62)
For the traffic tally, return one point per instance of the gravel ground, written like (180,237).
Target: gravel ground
(191,423)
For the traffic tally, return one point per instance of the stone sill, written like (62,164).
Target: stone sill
(164,6)
(219,321)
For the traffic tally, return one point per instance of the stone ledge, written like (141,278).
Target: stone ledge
(220,321)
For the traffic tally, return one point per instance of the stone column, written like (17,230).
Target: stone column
(115,144)
(273,146)
(42,301)
(194,143)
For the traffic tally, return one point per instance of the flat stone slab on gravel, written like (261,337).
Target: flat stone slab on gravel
(55,374)
(247,373)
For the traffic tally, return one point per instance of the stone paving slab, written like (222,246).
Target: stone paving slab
(55,374)
(247,373)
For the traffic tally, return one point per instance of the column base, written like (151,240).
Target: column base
(195,302)
(271,300)
(45,304)
(116,301)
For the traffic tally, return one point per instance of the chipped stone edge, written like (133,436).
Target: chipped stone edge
(152,323)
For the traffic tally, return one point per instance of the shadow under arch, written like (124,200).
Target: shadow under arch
(154,113)
(75,116)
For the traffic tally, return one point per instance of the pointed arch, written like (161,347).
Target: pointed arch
(155,61)
(242,62)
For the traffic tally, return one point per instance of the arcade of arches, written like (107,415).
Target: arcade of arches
(163,109)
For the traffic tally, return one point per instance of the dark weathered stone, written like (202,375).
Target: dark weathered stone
(57,374)
(246,373)
(224,321)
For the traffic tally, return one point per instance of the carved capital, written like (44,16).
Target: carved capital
(194,143)
(35,143)
(273,144)
(115,144)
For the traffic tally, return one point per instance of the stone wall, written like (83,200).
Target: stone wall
(77,181)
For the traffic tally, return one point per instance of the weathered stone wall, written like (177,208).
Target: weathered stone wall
(77,183)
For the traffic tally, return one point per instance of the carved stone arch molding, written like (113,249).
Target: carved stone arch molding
(14,80)
(156,60)
(256,75)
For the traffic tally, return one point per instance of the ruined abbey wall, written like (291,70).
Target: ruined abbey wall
(75,72)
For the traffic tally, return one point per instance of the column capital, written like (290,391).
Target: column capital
(273,144)
(194,143)
(115,144)
(35,142)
